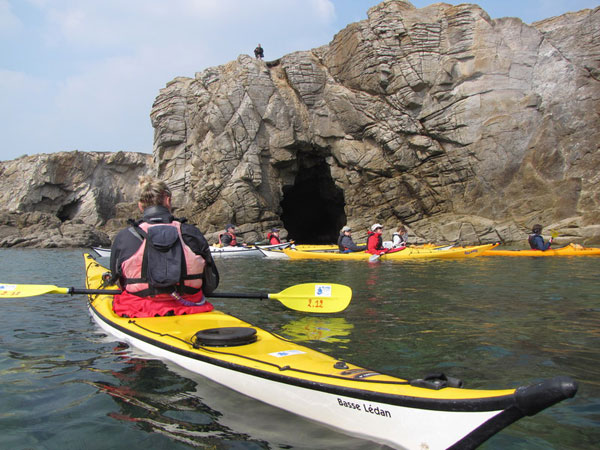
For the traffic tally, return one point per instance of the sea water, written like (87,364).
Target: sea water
(494,322)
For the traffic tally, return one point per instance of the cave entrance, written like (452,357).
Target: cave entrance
(313,208)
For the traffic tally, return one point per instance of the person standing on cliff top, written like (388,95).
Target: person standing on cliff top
(259,52)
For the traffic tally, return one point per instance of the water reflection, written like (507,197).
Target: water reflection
(318,328)
(162,398)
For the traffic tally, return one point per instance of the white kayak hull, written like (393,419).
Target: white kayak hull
(380,422)
(226,252)
(229,252)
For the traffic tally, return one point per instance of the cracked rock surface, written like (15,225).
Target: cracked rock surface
(464,128)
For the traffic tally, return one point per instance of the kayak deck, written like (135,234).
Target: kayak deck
(407,253)
(569,250)
(270,353)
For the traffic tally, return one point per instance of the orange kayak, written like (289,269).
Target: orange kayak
(569,250)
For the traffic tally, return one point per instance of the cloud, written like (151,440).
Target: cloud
(95,68)
(83,74)
(9,23)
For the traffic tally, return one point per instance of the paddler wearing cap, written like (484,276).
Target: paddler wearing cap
(273,236)
(228,238)
(375,241)
(346,243)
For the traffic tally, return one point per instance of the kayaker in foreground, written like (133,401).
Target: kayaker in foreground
(346,244)
(536,241)
(162,264)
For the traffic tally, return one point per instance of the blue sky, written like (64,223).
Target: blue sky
(83,74)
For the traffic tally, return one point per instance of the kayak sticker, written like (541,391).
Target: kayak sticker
(8,287)
(364,407)
(323,290)
(283,353)
(9,290)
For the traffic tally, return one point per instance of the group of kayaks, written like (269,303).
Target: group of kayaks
(428,251)
(432,412)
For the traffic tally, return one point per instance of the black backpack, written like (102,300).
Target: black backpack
(163,264)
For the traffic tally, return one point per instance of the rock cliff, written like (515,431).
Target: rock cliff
(464,128)
(67,199)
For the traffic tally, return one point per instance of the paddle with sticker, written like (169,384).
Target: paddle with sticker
(306,297)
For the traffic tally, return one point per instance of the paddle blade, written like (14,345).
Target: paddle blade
(315,297)
(374,258)
(29,290)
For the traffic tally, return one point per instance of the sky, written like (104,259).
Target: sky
(83,74)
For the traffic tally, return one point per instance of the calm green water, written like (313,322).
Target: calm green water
(494,322)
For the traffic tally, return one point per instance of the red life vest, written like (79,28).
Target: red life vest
(375,243)
(135,272)
(273,240)
(233,242)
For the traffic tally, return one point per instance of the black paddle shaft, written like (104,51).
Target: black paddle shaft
(73,291)
(237,295)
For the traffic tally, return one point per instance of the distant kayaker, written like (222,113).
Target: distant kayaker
(273,236)
(163,264)
(228,238)
(259,53)
(536,241)
(374,240)
(346,243)
(400,237)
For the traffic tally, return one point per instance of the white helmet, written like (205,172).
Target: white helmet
(375,226)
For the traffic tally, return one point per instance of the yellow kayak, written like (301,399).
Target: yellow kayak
(432,412)
(334,247)
(407,253)
(569,250)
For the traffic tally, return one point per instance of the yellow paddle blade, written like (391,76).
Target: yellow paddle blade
(29,290)
(554,234)
(315,297)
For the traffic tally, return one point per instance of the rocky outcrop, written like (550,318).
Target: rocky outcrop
(67,199)
(464,128)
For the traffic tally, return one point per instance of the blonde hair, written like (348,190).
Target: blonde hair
(153,191)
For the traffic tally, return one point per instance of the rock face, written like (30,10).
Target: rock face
(462,127)
(67,199)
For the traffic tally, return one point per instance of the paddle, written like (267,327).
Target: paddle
(307,297)
(375,257)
